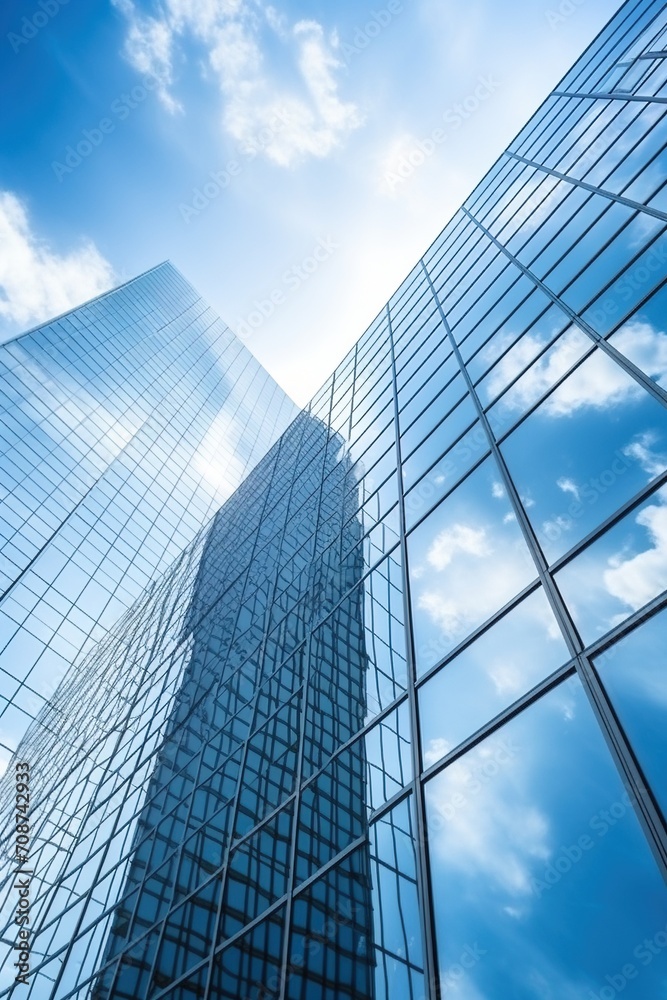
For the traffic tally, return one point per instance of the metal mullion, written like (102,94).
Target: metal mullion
(178,854)
(88,894)
(244,753)
(595,56)
(477,633)
(424,887)
(617,742)
(608,242)
(543,350)
(493,305)
(607,48)
(383,810)
(433,399)
(501,435)
(630,369)
(332,863)
(268,818)
(473,468)
(229,943)
(428,433)
(558,127)
(639,497)
(612,96)
(562,616)
(628,625)
(364,731)
(621,749)
(551,681)
(560,149)
(293,848)
(575,246)
(628,202)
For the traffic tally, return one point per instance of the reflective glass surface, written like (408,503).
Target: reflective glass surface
(368,700)
(536,853)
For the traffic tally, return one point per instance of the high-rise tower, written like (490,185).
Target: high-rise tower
(393,724)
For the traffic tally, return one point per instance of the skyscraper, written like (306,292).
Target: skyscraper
(124,424)
(392,724)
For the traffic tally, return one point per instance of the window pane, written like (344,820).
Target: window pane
(620,572)
(536,851)
(633,672)
(504,663)
(467,559)
(591,445)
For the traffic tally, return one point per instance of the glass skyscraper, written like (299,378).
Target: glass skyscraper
(123,426)
(391,723)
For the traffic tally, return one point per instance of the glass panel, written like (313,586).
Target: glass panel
(633,672)
(396,915)
(257,873)
(438,442)
(525,646)
(593,443)
(388,757)
(331,946)
(357,663)
(335,806)
(536,852)
(439,480)
(620,572)
(512,350)
(251,967)
(536,381)
(467,559)
(643,340)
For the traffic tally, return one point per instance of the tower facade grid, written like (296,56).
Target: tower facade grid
(392,724)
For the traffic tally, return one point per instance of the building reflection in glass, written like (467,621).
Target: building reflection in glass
(276,685)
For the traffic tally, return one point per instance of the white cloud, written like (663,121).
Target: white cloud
(312,117)
(493,836)
(458,538)
(395,167)
(36,282)
(436,750)
(598,383)
(149,48)
(216,458)
(640,451)
(473,587)
(638,579)
(568,486)
(544,372)
(646,347)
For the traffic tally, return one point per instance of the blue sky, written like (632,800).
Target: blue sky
(306,115)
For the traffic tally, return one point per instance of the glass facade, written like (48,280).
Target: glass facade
(123,426)
(392,725)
